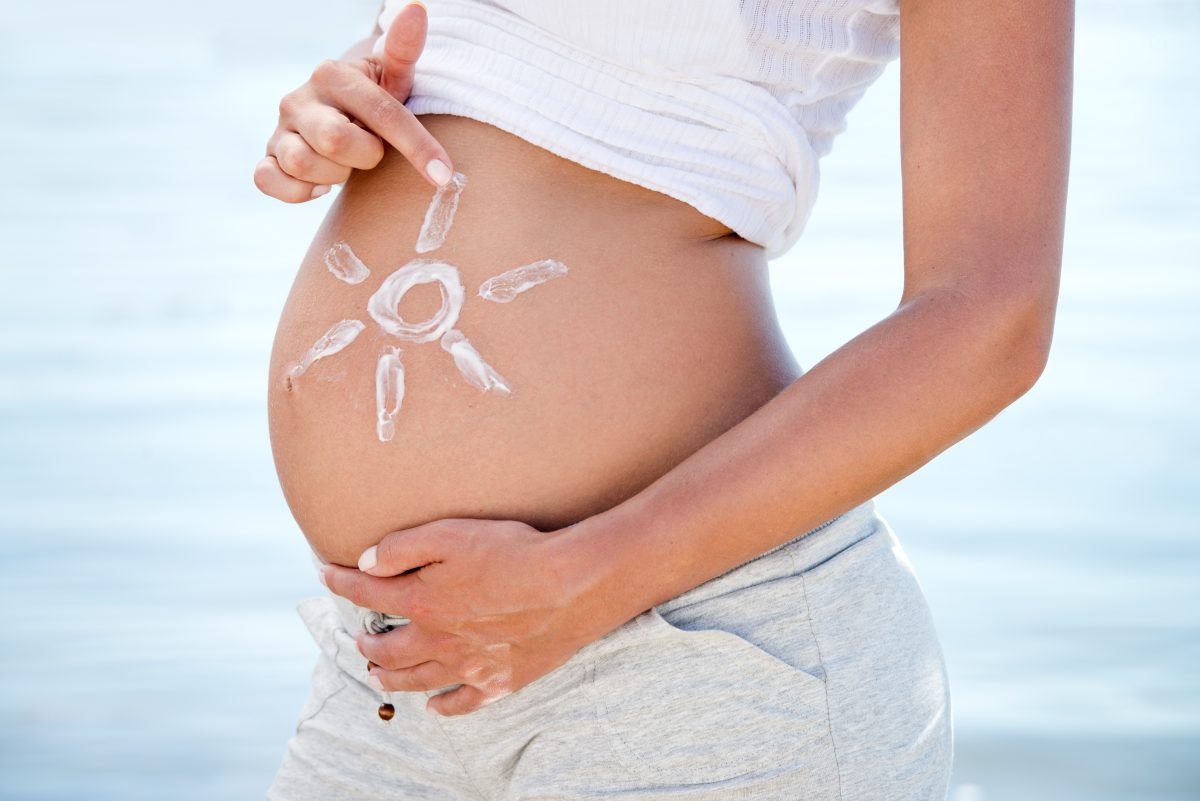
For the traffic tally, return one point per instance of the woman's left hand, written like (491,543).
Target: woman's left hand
(491,603)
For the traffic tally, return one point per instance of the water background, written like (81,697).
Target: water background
(148,565)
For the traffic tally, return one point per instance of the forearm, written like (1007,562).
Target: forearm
(857,422)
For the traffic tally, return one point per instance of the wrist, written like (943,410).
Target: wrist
(595,560)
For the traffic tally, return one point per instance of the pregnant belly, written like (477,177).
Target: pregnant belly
(642,331)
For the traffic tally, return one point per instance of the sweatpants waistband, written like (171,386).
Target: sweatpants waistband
(797,555)
(802,552)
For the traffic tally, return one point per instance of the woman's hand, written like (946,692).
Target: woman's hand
(339,120)
(493,605)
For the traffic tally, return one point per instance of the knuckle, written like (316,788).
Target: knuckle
(382,110)
(294,161)
(388,111)
(289,104)
(327,71)
(332,139)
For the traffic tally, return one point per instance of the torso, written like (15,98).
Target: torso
(661,336)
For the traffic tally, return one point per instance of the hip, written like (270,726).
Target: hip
(811,671)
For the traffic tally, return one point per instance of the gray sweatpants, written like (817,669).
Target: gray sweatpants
(811,673)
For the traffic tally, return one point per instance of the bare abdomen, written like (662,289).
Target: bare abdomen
(656,335)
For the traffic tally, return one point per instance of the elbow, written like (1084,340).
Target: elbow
(1007,332)
(1026,331)
(1030,362)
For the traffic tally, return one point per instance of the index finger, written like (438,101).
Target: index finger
(387,117)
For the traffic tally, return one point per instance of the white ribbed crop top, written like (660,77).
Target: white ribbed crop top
(726,105)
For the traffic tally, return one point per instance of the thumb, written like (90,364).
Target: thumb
(397,51)
(408,549)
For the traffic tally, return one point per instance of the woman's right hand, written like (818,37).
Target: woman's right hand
(341,118)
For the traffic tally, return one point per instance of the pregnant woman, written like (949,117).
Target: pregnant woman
(588,529)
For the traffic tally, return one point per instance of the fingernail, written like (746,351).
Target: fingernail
(320,190)
(321,575)
(368,559)
(375,683)
(438,171)
(416,3)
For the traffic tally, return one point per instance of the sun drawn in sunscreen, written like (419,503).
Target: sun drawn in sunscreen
(383,308)
(331,342)
(505,287)
(389,392)
(345,266)
(440,214)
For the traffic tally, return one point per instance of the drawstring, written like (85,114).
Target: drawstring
(379,623)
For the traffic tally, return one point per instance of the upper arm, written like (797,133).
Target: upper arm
(985,127)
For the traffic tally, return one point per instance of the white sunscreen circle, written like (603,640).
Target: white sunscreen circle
(384,304)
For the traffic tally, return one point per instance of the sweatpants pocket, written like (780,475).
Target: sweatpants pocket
(683,707)
(323,624)
(327,681)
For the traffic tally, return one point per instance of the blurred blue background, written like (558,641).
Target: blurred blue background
(149,567)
